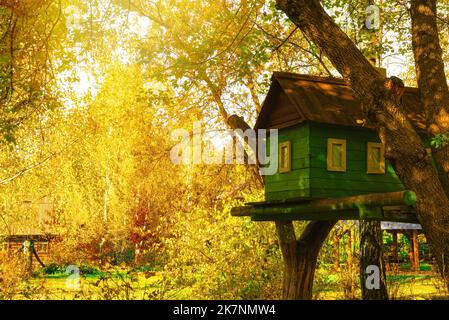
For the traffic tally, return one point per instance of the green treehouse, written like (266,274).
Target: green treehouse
(331,163)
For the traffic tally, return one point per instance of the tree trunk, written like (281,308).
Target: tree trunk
(395,247)
(431,78)
(434,92)
(336,251)
(381,104)
(300,256)
(371,254)
(410,251)
(349,249)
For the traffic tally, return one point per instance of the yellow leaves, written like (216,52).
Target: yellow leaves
(24,7)
(221,257)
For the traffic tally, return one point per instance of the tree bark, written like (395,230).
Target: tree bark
(432,84)
(252,89)
(431,78)
(395,247)
(300,256)
(411,254)
(349,249)
(404,147)
(371,254)
(336,251)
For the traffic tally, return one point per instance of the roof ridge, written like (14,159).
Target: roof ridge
(315,78)
(309,77)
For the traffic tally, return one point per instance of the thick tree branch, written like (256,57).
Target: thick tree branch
(300,256)
(431,78)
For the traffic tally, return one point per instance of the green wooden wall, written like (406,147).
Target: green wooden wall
(309,176)
(355,180)
(295,183)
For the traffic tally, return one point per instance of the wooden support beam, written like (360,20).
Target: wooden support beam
(377,214)
(411,256)
(393,206)
(28,246)
(308,216)
(415,250)
(244,211)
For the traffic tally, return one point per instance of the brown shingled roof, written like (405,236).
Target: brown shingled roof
(294,98)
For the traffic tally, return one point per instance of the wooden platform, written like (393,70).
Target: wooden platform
(392,206)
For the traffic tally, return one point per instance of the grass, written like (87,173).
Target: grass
(106,285)
(124,284)
(401,286)
(114,285)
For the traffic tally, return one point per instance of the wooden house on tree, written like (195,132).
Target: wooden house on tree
(331,163)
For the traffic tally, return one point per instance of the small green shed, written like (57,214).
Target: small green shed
(326,148)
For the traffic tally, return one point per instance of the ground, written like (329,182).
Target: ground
(402,287)
(123,284)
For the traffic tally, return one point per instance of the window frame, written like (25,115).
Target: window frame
(370,169)
(289,157)
(330,165)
